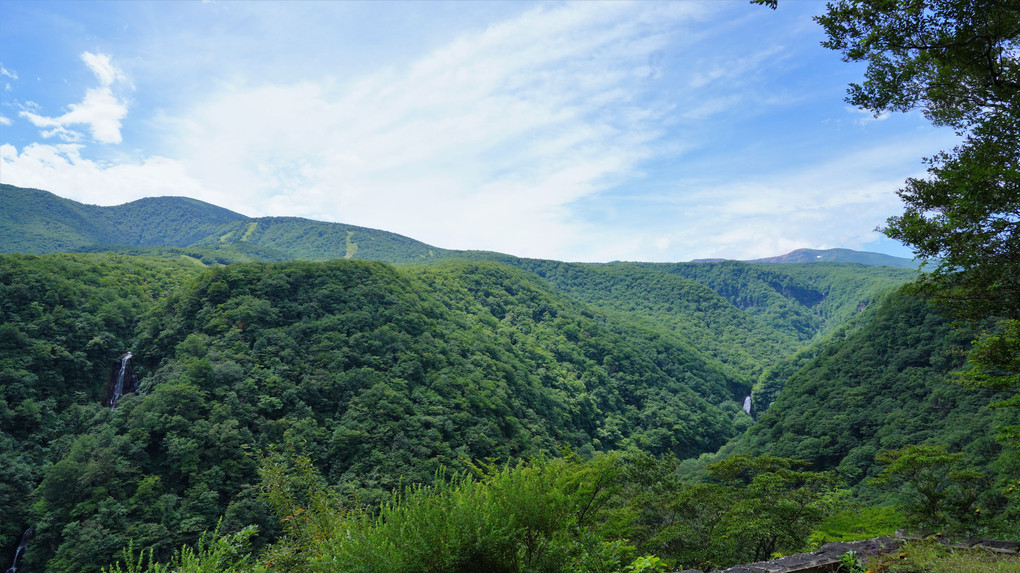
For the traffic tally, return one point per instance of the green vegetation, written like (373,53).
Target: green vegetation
(39,222)
(543,515)
(387,379)
(293,238)
(394,383)
(560,514)
(882,405)
(957,62)
(942,491)
(931,557)
(854,522)
(64,321)
(746,318)
(503,414)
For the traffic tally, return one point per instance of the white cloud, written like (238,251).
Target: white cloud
(736,70)
(540,135)
(837,203)
(488,138)
(103,68)
(62,170)
(864,117)
(101,111)
(4,120)
(4,72)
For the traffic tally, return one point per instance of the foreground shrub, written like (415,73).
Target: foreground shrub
(539,515)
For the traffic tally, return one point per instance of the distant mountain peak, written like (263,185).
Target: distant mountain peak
(831,256)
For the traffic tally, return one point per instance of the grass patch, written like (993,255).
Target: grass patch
(192,259)
(855,524)
(249,231)
(352,247)
(927,557)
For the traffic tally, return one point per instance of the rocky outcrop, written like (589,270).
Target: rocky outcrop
(825,560)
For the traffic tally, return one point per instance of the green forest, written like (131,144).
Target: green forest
(187,389)
(281,407)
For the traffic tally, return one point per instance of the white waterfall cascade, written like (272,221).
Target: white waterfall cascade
(22,546)
(118,389)
(747,404)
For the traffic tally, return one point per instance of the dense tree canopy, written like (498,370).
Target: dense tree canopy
(959,62)
(956,60)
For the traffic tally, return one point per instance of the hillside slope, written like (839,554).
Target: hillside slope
(885,387)
(163,221)
(38,222)
(749,318)
(286,238)
(839,256)
(382,375)
(744,318)
(35,221)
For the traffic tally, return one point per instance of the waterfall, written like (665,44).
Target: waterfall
(747,404)
(22,546)
(117,383)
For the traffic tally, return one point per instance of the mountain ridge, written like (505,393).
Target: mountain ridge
(744,317)
(837,255)
(416,362)
(35,221)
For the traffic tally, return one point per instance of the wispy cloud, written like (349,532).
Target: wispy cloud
(100,111)
(736,70)
(5,73)
(489,137)
(578,131)
(835,203)
(864,117)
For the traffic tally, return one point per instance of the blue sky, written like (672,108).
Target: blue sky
(589,131)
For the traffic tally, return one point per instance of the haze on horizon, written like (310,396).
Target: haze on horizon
(589,131)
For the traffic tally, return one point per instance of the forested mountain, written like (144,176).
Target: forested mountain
(755,321)
(815,305)
(247,399)
(839,256)
(886,386)
(34,221)
(382,375)
(389,376)
(890,386)
(747,320)
(38,222)
(64,323)
(284,238)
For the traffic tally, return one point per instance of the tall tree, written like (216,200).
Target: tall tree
(958,61)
